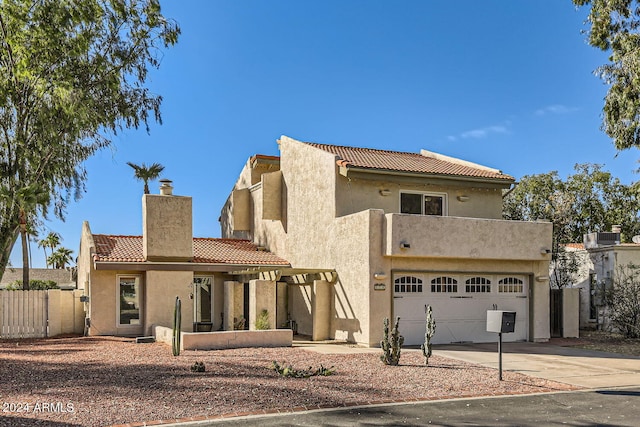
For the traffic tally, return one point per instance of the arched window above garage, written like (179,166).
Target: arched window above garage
(444,284)
(511,285)
(408,284)
(477,284)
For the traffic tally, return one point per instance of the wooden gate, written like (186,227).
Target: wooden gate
(23,314)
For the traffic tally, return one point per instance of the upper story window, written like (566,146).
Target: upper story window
(423,203)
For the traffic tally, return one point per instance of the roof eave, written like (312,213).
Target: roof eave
(178,266)
(360,172)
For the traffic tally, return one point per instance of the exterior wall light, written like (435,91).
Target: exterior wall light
(385,192)
(404,245)
(542,278)
(463,198)
(545,251)
(380,275)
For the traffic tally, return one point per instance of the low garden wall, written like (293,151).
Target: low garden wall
(226,339)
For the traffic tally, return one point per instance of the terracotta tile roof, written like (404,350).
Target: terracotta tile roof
(369,158)
(574,245)
(110,248)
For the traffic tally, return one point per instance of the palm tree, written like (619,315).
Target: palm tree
(60,258)
(145,173)
(51,241)
(28,199)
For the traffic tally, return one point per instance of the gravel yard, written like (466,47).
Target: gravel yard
(100,381)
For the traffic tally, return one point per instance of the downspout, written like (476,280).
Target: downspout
(515,184)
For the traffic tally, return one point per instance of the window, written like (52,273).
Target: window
(477,285)
(408,284)
(128,300)
(511,285)
(423,203)
(444,284)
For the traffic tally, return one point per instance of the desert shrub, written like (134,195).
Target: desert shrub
(262,321)
(623,301)
(288,371)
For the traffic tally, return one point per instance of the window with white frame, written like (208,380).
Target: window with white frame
(423,203)
(129,297)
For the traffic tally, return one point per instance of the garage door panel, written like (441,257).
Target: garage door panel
(461,315)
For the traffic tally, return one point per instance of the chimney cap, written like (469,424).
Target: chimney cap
(166,189)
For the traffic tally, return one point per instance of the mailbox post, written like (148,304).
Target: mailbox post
(500,321)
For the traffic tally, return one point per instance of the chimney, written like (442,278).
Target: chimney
(167,226)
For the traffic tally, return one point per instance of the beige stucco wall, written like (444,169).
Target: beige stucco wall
(456,237)
(262,296)
(355,195)
(167,232)
(162,288)
(65,312)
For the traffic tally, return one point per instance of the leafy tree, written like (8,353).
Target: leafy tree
(589,200)
(60,258)
(614,28)
(145,173)
(72,74)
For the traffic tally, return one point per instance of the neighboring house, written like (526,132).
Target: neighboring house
(581,279)
(65,278)
(131,282)
(373,234)
(601,256)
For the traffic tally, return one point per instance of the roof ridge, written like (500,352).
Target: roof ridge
(363,148)
(438,156)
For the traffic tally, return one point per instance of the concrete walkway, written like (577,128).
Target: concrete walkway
(569,365)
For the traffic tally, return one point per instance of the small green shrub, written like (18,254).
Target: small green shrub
(198,367)
(288,371)
(34,285)
(262,321)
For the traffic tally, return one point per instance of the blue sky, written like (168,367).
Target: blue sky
(507,84)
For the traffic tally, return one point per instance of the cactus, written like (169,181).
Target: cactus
(177,314)
(428,334)
(391,344)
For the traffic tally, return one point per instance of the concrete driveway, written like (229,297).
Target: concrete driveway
(584,368)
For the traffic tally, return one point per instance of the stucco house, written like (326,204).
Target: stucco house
(130,282)
(599,257)
(374,233)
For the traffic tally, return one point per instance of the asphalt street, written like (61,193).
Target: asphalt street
(605,407)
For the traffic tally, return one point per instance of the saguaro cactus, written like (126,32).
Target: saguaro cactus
(430,329)
(391,343)
(177,315)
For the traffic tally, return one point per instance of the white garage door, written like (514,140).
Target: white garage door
(460,304)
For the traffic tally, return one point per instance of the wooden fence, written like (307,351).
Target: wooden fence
(23,314)
(40,314)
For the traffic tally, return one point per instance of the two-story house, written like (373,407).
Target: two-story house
(373,233)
